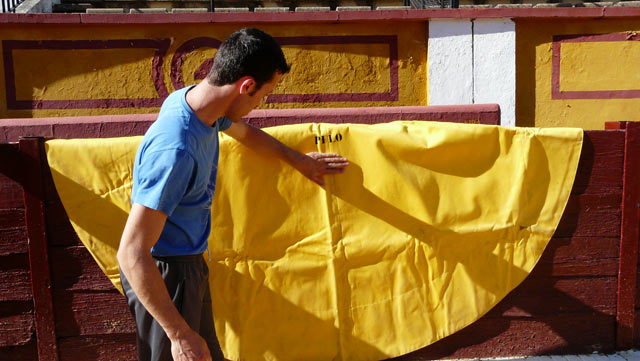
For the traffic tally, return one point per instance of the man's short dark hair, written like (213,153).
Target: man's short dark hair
(249,52)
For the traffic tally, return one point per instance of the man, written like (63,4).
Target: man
(163,273)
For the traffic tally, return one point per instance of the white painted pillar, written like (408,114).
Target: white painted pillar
(494,66)
(473,62)
(450,62)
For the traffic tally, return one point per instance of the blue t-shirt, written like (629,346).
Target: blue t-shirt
(175,172)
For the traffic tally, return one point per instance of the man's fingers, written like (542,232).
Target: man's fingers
(318,154)
(335,162)
(338,164)
(333,159)
(325,164)
(326,156)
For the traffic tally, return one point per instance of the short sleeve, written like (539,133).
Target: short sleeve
(162,178)
(223,123)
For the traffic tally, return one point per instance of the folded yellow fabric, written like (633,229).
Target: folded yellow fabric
(431,226)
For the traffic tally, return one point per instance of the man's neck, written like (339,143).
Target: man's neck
(210,102)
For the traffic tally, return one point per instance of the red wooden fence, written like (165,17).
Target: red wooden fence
(580,298)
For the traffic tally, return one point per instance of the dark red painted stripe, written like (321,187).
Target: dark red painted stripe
(88,103)
(9,74)
(182,52)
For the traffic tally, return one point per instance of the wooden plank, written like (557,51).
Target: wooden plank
(12,218)
(580,249)
(601,162)
(24,352)
(13,241)
(12,222)
(15,280)
(559,334)
(11,161)
(590,216)
(589,225)
(16,323)
(73,268)
(587,203)
(92,313)
(121,347)
(33,150)
(630,236)
(11,193)
(541,297)
(61,232)
(588,268)
(579,256)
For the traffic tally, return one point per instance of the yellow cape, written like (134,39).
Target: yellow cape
(431,225)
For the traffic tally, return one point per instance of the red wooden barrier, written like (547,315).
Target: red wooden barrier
(580,298)
(630,236)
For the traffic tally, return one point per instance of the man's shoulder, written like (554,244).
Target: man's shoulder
(165,134)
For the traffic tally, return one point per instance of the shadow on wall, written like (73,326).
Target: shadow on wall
(525,81)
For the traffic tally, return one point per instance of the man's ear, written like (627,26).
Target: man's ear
(247,84)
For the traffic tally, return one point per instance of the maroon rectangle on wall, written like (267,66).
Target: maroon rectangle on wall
(558,40)
(161,47)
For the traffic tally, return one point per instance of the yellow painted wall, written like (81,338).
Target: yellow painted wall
(68,77)
(595,72)
(327,72)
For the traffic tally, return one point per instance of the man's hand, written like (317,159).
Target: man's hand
(189,346)
(316,165)
(312,165)
(141,232)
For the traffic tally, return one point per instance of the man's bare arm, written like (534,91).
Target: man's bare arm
(312,165)
(141,232)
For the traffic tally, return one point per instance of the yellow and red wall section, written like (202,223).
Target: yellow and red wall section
(545,67)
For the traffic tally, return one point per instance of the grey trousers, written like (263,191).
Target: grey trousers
(187,280)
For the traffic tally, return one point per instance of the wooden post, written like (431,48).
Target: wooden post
(629,238)
(32,152)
